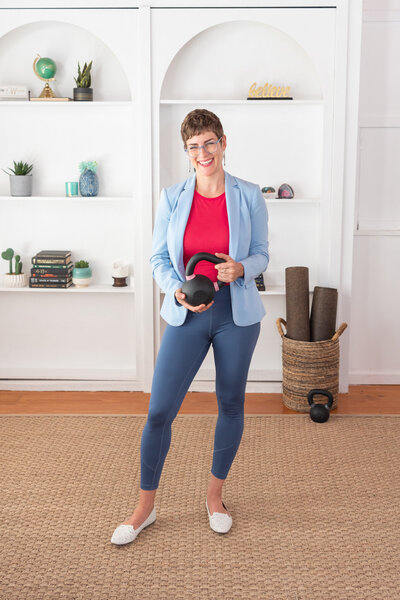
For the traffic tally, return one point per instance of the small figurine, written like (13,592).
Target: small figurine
(285,191)
(120,272)
(268,192)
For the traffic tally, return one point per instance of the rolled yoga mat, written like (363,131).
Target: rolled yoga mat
(297,304)
(323,313)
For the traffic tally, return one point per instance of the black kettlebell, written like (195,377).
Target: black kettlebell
(320,412)
(199,289)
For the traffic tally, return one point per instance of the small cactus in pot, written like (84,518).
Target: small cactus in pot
(81,274)
(14,278)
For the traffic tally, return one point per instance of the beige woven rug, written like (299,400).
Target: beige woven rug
(315,510)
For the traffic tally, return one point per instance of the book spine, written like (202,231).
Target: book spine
(13,90)
(51,269)
(53,254)
(50,261)
(49,280)
(49,285)
(35,272)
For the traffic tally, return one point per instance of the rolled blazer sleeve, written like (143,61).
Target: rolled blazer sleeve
(257,260)
(162,268)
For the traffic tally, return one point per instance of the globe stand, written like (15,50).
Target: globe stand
(47,92)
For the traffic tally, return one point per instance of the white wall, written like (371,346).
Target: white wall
(375,330)
(117,42)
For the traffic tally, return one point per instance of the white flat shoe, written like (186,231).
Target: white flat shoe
(126,533)
(219,522)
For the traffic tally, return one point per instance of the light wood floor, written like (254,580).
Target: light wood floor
(361,399)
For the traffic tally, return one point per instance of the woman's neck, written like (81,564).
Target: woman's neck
(211,187)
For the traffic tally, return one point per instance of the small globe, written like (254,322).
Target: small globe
(46,68)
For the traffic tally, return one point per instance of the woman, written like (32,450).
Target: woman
(211,211)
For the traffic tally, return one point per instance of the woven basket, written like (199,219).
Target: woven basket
(309,365)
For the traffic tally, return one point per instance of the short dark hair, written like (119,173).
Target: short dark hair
(200,120)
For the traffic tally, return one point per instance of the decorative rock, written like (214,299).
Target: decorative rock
(285,191)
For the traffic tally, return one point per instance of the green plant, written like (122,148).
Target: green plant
(20,168)
(84,78)
(91,165)
(8,255)
(81,264)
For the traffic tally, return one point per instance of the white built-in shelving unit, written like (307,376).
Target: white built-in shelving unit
(153,63)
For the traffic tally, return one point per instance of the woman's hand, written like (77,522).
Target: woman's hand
(180,296)
(230,270)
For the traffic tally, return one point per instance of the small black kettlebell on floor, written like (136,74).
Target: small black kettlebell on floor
(199,289)
(320,412)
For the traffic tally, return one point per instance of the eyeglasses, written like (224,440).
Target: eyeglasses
(210,147)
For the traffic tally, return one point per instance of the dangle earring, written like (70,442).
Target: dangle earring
(190,166)
(224,158)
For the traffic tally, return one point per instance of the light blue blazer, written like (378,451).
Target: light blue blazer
(248,244)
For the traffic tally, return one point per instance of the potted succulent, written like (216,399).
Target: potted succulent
(14,278)
(21,181)
(88,181)
(83,91)
(81,274)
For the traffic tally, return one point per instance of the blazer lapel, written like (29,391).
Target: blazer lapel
(232,195)
(182,215)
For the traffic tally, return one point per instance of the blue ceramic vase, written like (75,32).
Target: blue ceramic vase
(88,183)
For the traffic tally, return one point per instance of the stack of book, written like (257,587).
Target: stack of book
(260,283)
(51,269)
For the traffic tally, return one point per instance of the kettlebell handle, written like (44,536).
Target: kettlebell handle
(192,262)
(326,393)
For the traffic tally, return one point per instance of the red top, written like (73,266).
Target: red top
(207,230)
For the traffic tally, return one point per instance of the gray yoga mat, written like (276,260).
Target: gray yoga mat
(297,303)
(323,313)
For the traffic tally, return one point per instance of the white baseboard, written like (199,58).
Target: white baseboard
(40,385)
(47,374)
(261,387)
(199,385)
(368,378)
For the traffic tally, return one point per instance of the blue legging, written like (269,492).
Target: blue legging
(181,353)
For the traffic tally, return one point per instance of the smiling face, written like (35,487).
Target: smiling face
(207,163)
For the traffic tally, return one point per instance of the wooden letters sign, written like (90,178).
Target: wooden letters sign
(268,91)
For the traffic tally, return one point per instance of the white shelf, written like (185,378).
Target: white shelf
(98,288)
(277,290)
(292,200)
(376,232)
(73,198)
(253,102)
(273,290)
(115,104)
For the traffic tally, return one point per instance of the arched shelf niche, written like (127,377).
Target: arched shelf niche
(18,49)
(222,61)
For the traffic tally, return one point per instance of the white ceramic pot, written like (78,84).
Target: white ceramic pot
(11,280)
(82,276)
(21,185)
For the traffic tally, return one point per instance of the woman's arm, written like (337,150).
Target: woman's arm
(162,269)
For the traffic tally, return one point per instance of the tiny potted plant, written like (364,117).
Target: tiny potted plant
(21,181)
(81,274)
(83,91)
(88,181)
(14,278)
